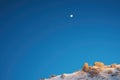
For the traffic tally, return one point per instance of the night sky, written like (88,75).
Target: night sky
(39,38)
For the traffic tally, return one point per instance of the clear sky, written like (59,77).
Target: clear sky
(38,38)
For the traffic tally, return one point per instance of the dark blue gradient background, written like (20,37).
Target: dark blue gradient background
(38,38)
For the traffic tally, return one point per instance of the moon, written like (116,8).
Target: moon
(71,15)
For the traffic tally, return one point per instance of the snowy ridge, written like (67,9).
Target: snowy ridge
(97,72)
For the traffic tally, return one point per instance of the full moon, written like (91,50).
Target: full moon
(71,15)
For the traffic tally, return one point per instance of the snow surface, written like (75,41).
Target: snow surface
(106,73)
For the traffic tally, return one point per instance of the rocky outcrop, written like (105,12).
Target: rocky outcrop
(99,71)
(85,67)
(113,66)
(99,64)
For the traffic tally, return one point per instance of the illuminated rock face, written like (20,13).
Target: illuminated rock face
(97,72)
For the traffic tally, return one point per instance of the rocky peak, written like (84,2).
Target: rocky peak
(99,71)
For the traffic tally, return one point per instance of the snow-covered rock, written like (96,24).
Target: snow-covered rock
(97,72)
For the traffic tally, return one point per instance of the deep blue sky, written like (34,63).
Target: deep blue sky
(38,38)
